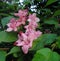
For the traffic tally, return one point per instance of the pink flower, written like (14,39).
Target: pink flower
(26,39)
(32,17)
(13,25)
(22,20)
(22,13)
(24,42)
(32,22)
(32,34)
(31,25)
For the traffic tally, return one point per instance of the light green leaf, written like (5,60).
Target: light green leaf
(38,57)
(8,36)
(3,56)
(57,13)
(50,2)
(6,20)
(55,56)
(46,54)
(14,50)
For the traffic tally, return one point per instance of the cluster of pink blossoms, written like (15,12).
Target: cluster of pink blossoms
(25,39)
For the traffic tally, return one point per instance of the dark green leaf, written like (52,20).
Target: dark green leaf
(57,13)
(51,21)
(20,59)
(50,2)
(58,41)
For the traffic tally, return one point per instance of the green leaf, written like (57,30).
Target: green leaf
(55,56)
(14,50)
(49,38)
(57,13)
(46,54)
(58,41)
(2,56)
(15,55)
(51,21)
(6,20)
(37,44)
(50,2)
(8,36)
(38,57)
(45,39)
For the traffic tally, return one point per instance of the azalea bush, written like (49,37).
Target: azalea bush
(30,29)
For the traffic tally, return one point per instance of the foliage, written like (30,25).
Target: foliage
(46,47)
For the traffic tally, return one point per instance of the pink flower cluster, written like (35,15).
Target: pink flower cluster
(14,24)
(25,39)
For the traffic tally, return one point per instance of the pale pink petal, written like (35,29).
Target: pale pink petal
(25,49)
(24,36)
(16,14)
(29,20)
(30,45)
(18,24)
(15,29)
(9,29)
(38,33)
(37,19)
(8,24)
(19,43)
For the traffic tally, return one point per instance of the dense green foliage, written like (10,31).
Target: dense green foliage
(46,47)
